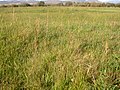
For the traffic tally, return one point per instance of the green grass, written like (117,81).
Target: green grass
(59,48)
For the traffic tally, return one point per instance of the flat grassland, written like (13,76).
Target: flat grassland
(59,48)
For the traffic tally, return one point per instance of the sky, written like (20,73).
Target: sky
(110,1)
(114,1)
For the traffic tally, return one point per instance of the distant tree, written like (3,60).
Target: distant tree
(68,3)
(24,5)
(110,4)
(117,5)
(41,3)
(4,6)
(60,4)
(14,5)
(103,5)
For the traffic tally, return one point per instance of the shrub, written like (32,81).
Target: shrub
(60,4)
(14,5)
(3,6)
(68,4)
(24,5)
(41,3)
(117,5)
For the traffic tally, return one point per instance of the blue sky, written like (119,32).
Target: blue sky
(71,0)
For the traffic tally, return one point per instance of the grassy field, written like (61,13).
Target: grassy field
(59,48)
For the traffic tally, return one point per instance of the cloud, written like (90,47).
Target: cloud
(114,1)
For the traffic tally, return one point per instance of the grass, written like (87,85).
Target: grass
(59,48)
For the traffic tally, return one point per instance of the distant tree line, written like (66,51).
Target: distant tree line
(89,4)
(76,4)
(41,3)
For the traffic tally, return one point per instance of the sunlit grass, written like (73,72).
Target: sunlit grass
(60,48)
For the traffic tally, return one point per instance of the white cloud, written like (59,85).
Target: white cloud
(110,1)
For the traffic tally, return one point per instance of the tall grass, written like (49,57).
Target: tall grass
(59,48)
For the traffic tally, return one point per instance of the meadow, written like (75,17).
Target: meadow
(59,48)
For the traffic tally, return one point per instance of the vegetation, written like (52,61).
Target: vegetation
(69,3)
(41,3)
(59,48)
(24,5)
(75,4)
